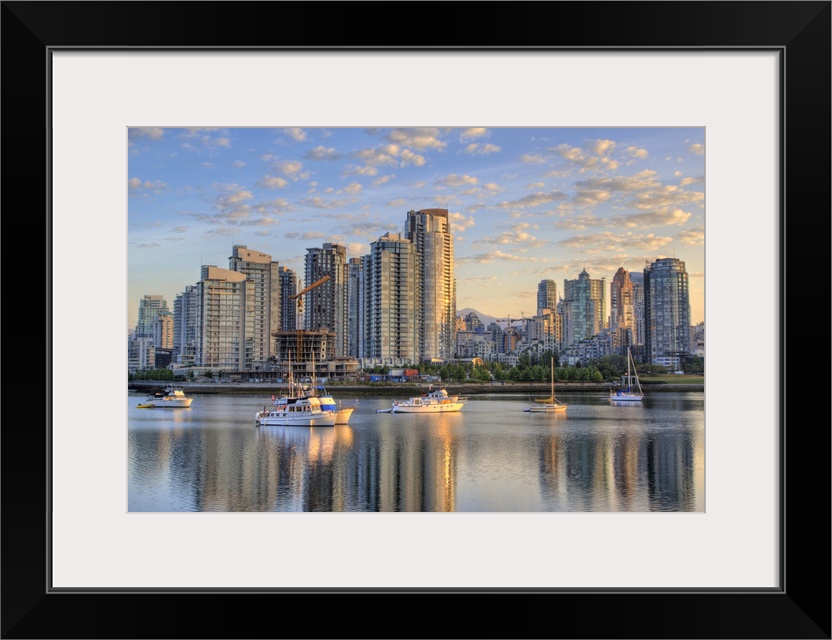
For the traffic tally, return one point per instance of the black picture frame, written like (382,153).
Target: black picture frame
(799,608)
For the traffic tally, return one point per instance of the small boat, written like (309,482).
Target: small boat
(550,404)
(437,401)
(169,398)
(342,412)
(304,411)
(628,393)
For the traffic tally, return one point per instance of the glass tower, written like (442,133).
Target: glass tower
(667,310)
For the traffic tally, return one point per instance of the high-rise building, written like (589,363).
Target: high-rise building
(221,319)
(583,308)
(149,308)
(163,331)
(262,316)
(430,232)
(622,310)
(640,331)
(325,307)
(667,311)
(392,280)
(356,297)
(288,306)
(547,295)
(185,326)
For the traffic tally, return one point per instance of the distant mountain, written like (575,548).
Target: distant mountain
(484,318)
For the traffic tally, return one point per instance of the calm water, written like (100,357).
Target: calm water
(489,457)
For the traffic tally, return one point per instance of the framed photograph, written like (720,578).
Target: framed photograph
(754,76)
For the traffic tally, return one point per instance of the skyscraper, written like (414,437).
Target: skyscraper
(356,297)
(430,232)
(325,307)
(547,295)
(163,331)
(392,327)
(221,319)
(584,308)
(288,306)
(149,308)
(640,332)
(262,316)
(667,311)
(185,327)
(622,309)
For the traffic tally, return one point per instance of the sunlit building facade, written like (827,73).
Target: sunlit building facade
(547,295)
(622,310)
(221,322)
(392,281)
(262,315)
(430,232)
(583,308)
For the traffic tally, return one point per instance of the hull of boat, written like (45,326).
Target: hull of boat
(342,416)
(167,404)
(293,421)
(430,408)
(560,408)
(625,397)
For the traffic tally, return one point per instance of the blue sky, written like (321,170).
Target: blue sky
(526,204)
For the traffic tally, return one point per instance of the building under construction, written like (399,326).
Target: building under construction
(310,352)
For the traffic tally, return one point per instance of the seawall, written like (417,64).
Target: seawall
(408,389)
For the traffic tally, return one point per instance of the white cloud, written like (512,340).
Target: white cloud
(296,133)
(273,182)
(492,256)
(454,180)
(637,153)
(477,149)
(154,133)
(533,200)
(473,132)
(420,138)
(323,153)
(290,168)
(697,149)
(137,186)
(459,222)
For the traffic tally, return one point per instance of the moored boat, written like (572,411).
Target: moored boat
(304,411)
(438,401)
(629,393)
(342,411)
(169,398)
(550,404)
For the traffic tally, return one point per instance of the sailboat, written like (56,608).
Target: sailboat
(550,404)
(628,393)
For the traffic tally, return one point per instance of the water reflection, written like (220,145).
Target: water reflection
(491,457)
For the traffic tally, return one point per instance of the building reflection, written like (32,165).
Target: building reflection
(405,464)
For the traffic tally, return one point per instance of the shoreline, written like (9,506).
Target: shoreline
(405,389)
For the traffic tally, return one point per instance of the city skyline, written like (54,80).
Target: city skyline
(525,204)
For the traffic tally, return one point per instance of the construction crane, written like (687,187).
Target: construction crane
(299,332)
(511,320)
(300,293)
